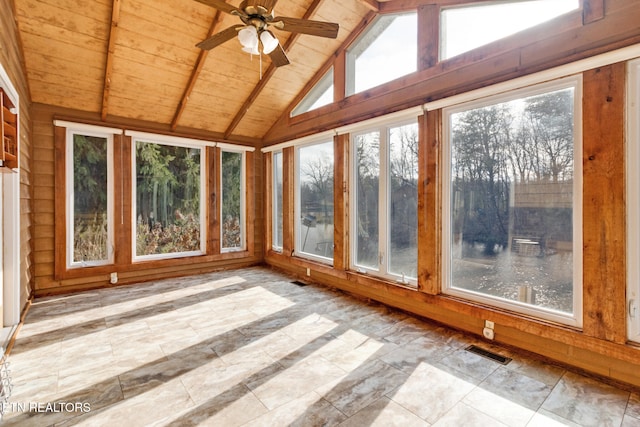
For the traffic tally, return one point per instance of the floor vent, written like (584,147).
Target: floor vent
(489,355)
(299,283)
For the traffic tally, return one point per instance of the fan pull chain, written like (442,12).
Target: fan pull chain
(260,55)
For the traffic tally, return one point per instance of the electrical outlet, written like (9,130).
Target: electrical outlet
(114,278)
(308,271)
(488,333)
(489,324)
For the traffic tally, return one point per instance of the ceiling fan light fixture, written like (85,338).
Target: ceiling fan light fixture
(248,37)
(269,42)
(257,17)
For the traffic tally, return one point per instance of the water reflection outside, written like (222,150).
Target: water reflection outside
(511,198)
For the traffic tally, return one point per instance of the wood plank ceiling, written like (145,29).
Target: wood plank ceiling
(137,59)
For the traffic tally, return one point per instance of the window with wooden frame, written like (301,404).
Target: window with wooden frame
(385,201)
(277,226)
(89,196)
(464,28)
(232,173)
(633,200)
(385,51)
(314,203)
(321,94)
(168,198)
(512,201)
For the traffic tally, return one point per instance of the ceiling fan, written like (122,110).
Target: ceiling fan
(257,16)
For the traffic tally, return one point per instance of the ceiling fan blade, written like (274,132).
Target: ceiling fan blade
(266,5)
(219,38)
(306,26)
(269,4)
(220,5)
(279,57)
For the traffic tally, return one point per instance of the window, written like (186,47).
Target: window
(278,219)
(386,202)
(168,200)
(233,200)
(314,186)
(321,94)
(512,235)
(633,200)
(386,51)
(89,198)
(468,27)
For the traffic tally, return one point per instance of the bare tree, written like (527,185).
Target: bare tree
(318,172)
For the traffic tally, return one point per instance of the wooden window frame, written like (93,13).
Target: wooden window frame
(575,318)
(61,264)
(123,190)
(384,202)
(69,196)
(442,27)
(350,60)
(163,140)
(274,223)
(298,208)
(323,85)
(243,201)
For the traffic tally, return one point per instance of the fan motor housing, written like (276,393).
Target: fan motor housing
(256,11)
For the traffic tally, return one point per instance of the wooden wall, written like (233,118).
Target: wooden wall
(11,59)
(600,346)
(51,275)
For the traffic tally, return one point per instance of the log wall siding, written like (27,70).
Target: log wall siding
(51,275)
(12,60)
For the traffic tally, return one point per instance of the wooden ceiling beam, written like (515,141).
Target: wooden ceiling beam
(267,75)
(108,69)
(592,10)
(195,73)
(396,6)
(373,5)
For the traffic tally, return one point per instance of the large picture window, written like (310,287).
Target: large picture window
(89,198)
(233,200)
(386,202)
(513,223)
(168,198)
(314,227)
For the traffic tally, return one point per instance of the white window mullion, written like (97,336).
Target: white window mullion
(633,201)
(276,200)
(383,203)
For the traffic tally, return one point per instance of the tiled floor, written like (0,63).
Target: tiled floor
(251,348)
